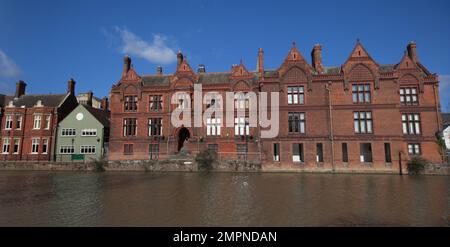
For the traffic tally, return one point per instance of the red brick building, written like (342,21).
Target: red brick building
(355,116)
(29,122)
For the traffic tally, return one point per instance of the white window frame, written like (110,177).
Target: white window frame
(45,142)
(47,122)
(241,126)
(35,145)
(84,148)
(20,122)
(68,149)
(67,131)
(6,145)
(414,149)
(8,121)
(37,121)
(89,132)
(213,127)
(18,145)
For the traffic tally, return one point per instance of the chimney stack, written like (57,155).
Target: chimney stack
(412,51)
(316,56)
(126,65)
(159,70)
(179,58)
(201,68)
(20,88)
(105,103)
(71,86)
(89,98)
(260,63)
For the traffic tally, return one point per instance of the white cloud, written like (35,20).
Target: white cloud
(444,92)
(7,67)
(155,51)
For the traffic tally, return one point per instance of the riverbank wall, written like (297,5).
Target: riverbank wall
(188,165)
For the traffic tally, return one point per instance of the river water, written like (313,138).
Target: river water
(221,199)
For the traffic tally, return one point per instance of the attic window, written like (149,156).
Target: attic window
(359,53)
(39,103)
(11,104)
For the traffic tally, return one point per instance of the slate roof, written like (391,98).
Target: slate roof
(29,100)
(101,115)
(332,70)
(206,78)
(4,100)
(222,77)
(387,67)
(445,119)
(214,78)
(156,80)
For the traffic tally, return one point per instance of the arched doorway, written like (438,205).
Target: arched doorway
(183,135)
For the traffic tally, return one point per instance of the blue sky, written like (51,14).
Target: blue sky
(47,42)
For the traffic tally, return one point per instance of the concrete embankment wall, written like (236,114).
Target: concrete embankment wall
(189,166)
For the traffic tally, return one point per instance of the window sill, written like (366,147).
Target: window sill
(367,163)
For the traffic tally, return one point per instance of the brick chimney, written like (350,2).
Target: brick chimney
(316,56)
(179,58)
(105,104)
(260,62)
(126,65)
(412,51)
(159,70)
(71,86)
(89,98)
(201,68)
(20,88)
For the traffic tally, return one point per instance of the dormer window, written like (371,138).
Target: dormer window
(361,93)
(408,96)
(130,103)
(183,100)
(39,103)
(212,100)
(241,100)
(296,95)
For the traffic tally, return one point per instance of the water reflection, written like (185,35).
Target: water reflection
(221,199)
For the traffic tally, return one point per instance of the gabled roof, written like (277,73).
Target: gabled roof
(101,115)
(30,100)
(359,52)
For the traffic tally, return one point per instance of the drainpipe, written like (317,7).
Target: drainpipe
(169,124)
(328,88)
(400,163)
(438,118)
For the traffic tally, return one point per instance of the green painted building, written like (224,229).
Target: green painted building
(83,135)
